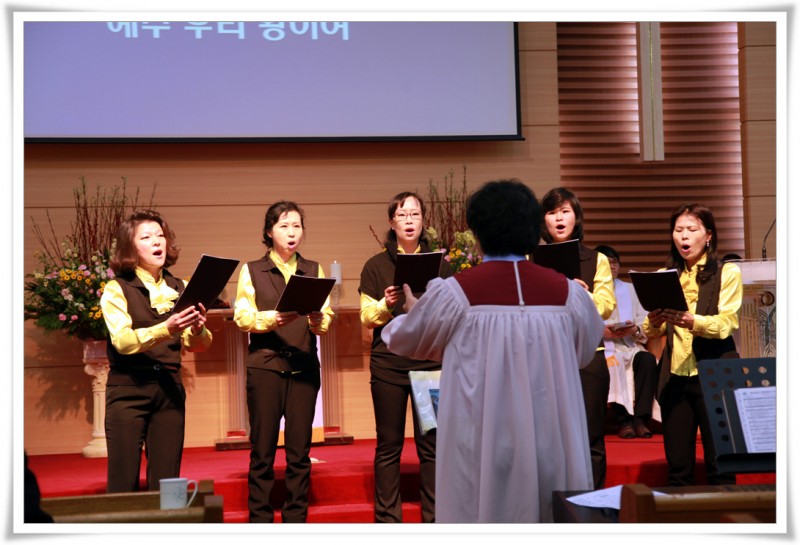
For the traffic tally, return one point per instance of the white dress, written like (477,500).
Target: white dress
(621,385)
(511,418)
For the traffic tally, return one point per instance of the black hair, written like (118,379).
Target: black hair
(704,215)
(608,251)
(274,214)
(555,198)
(126,258)
(396,202)
(505,217)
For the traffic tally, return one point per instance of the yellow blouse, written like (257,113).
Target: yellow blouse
(603,289)
(720,326)
(375,313)
(162,298)
(246,313)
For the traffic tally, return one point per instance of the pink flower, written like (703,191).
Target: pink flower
(82,267)
(73,318)
(62,317)
(110,273)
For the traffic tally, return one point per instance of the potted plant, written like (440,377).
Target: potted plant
(446,220)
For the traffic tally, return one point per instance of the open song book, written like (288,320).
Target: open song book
(563,257)
(304,294)
(417,270)
(207,281)
(659,290)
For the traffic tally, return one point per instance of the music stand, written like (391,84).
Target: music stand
(719,379)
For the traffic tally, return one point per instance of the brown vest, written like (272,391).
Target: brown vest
(164,356)
(290,348)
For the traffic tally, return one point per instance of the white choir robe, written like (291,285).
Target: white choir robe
(511,418)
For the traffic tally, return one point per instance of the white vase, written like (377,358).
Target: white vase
(96,365)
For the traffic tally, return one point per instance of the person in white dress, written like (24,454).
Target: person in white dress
(512,336)
(633,370)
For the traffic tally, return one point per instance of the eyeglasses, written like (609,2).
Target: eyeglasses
(416,215)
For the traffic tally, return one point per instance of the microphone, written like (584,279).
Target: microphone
(764,246)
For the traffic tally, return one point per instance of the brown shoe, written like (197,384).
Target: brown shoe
(640,429)
(626,431)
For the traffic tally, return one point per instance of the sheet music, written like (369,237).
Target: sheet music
(609,498)
(758,416)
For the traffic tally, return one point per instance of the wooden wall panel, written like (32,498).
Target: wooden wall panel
(757,33)
(206,384)
(537,36)
(540,101)
(759,75)
(57,408)
(760,142)
(760,213)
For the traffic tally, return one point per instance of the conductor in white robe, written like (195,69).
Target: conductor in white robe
(511,336)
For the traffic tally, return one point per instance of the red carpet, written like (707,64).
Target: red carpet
(341,482)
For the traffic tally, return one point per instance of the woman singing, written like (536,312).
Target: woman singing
(713,293)
(380,302)
(145,398)
(282,364)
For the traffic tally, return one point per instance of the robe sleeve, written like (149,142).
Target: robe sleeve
(588,324)
(423,333)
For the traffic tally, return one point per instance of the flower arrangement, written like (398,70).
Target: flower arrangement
(446,220)
(67,296)
(64,294)
(462,254)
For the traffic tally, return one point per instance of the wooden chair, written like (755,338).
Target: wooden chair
(132,507)
(702,504)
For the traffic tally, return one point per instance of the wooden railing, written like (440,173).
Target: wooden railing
(134,507)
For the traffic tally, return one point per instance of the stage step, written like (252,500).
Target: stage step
(359,513)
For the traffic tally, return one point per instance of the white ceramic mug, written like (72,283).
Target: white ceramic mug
(174,493)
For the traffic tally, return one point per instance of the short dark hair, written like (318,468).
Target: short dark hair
(505,217)
(608,251)
(126,258)
(555,198)
(274,214)
(704,215)
(396,202)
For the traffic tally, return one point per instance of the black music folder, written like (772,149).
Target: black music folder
(417,270)
(659,290)
(563,257)
(207,281)
(304,294)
